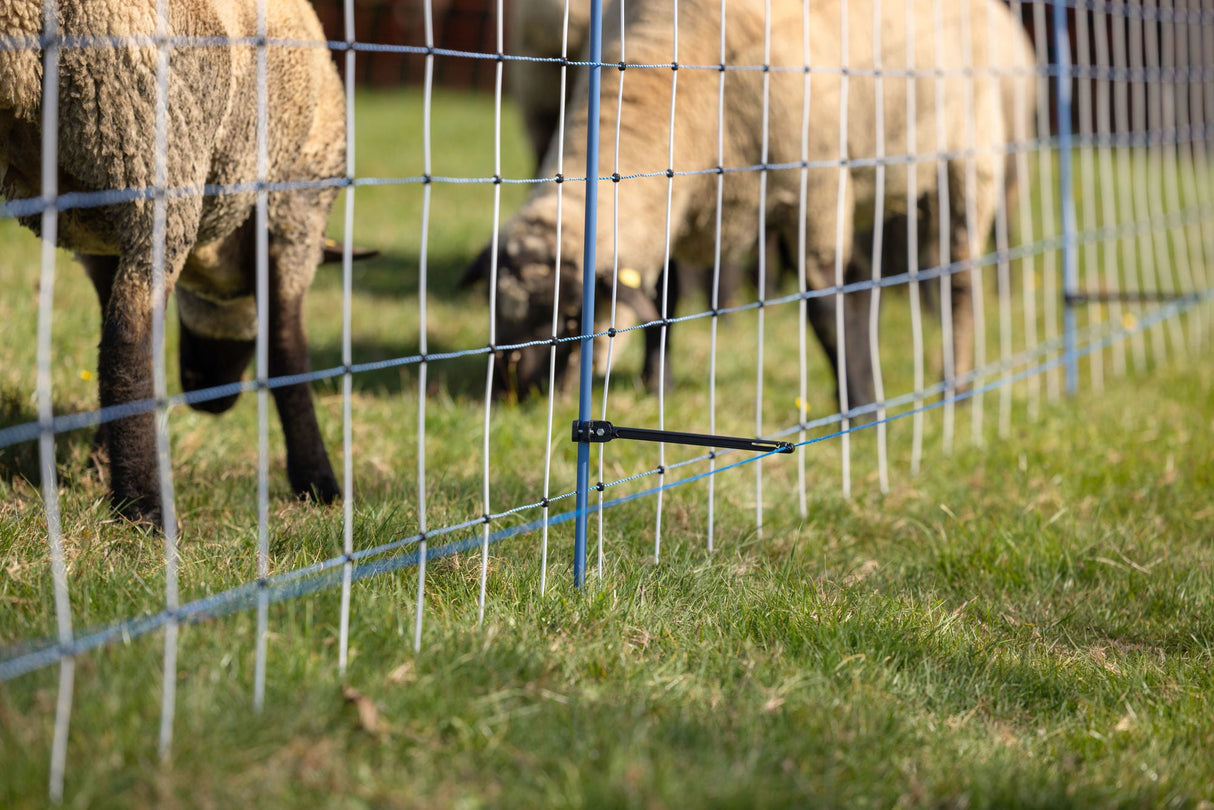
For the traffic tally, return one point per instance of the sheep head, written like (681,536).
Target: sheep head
(528,283)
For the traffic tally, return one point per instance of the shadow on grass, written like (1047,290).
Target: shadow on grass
(20,461)
(461,377)
(397,276)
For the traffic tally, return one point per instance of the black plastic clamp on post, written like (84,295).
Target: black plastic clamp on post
(598,431)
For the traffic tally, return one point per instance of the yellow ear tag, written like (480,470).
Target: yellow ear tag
(630,278)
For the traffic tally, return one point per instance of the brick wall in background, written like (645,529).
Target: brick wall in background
(463,25)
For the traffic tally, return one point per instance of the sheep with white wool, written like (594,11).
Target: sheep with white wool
(527,249)
(108,97)
(550,30)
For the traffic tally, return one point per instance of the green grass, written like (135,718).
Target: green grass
(1025,623)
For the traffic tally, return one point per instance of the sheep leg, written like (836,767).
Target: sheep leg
(858,336)
(308,467)
(101,271)
(653,335)
(929,252)
(124,373)
(729,279)
(966,244)
(962,295)
(825,240)
(858,333)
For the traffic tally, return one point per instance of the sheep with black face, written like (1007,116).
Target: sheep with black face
(833,232)
(108,96)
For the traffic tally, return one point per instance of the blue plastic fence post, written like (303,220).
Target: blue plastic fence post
(588,265)
(1070,268)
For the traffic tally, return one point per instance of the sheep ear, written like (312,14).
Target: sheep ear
(479,269)
(333,252)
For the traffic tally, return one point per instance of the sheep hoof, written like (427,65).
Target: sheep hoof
(140,511)
(323,494)
(322,489)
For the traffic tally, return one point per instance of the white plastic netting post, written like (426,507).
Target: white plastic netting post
(1171,256)
(1147,279)
(665,286)
(912,246)
(1200,40)
(1110,248)
(1089,252)
(160,383)
(1129,282)
(556,303)
(1190,159)
(874,320)
(497,208)
(841,237)
(347,356)
(615,275)
(715,300)
(423,292)
(45,397)
(1046,186)
(974,236)
(944,242)
(761,252)
(1168,165)
(1001,64)
(262,370)
(802,284)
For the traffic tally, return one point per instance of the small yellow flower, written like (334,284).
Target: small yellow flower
(799,403)
(1129,321)
(86,375)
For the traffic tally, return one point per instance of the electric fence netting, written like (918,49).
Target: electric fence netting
(861,231)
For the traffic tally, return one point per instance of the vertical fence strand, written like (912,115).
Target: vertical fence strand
(347,359)
(168,700)
(46,408)
(262,366)
(874,310)
(423,288)
(1066,191)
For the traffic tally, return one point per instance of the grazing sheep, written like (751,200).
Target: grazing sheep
(527,245)
(635,305)
(107,124)
(537,29)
